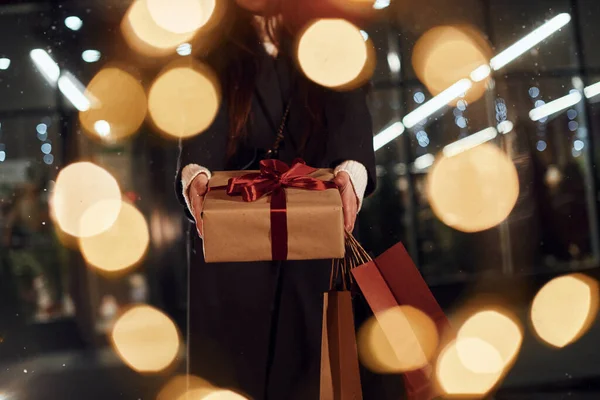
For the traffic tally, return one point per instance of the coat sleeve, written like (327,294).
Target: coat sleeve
(207,149)
(350,132)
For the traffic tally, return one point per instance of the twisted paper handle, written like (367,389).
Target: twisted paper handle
(355,256)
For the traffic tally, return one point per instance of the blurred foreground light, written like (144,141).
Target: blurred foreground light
(458,380)
(225,395)
(400,339)
(79,187)
(590,91)
(475,189)
(4,63)
(423,162)
(46,65)
(145,36)
(181,16)
(185,98)
(470,142)
(488,342)
(387,135)
(122,245)
(563,310)
(73,23)
(555,106)
(90,56)
(184,49)
(119,100)
(505,127)
(529,41)
(183,386)
(74,91)
(145,339)
(381,4)
(334,54)
(447,54)
(437,103)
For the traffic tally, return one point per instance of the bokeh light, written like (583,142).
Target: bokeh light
(457,380)
(118,105)
(473,190)
(563,310)
(446,54)
(400,339)
(185,98)
(181,16)
(79,187)
(145,36)
(334,54)
(183,387)
(145,339)
(122,245)
(489,341)
(225,395)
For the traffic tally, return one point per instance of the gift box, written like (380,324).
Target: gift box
(277,213)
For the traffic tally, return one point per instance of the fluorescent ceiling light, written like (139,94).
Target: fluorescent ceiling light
(470,141)
(73,23)
(387,135)
(555,106)
(381,4)
(102,127)
(505,127)
(592,91)
(74,91)
(364,34)
(184,49)
(480,73)
(90,56)
(530,40)
(437,103)
(46,65)
(4,64)
(424,162)
(394,62)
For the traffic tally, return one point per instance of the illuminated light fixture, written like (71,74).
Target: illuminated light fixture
(73,23)
(590,91)
(46,65)
(394,62)
(529,41)
(4,64)
(437,103)
(184,49)
(90,56)
(505,127)
(470,142)
(74,91)
(102,128)
(555,106)
(424,162)
(387,135)
(480,73)
(381,4)
(364,34)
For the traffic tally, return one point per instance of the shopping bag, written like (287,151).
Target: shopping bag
(340,376)
(392,280)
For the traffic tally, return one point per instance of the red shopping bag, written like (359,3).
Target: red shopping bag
(392,280)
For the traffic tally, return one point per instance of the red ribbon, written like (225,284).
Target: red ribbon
(273,178)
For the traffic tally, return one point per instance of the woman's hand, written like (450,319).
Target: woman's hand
(197,191)
(349,199)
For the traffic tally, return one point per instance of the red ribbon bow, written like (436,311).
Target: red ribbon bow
(273,178)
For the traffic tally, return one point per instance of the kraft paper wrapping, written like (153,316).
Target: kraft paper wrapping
(235,230)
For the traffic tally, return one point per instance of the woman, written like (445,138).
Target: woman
(256,327)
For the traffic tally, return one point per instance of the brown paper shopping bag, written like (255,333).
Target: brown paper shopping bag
(340,375)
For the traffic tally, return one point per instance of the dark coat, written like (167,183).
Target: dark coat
(256,327)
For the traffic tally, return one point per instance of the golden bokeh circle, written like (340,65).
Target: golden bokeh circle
(79,187)
(181,16)
(474,190)
(332,52)
(145,36)
(122,245)
(145,339)
(563,310)
(118,105)
(446,54)
(400,339)
(185,99)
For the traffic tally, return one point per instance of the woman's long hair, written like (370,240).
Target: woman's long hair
(237,63)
